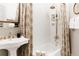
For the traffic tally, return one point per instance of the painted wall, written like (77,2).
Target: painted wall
(8,10)
(41,28)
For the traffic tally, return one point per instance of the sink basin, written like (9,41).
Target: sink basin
(13,44)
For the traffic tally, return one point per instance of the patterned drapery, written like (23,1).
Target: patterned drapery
(25,24)
(62,38)
(65,38)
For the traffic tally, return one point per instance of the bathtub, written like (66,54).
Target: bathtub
(49,49)
(51,53)
(55,53)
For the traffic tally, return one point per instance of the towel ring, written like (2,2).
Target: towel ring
(74,9)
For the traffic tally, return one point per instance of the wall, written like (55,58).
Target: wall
(8,10)
(41,28)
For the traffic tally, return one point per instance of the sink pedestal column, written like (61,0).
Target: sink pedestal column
(13,51)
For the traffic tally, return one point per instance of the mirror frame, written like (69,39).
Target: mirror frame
(16,22)
(75,4)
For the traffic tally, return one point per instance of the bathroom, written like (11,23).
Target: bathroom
(48,29)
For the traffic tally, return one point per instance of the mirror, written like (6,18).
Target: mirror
(8,12)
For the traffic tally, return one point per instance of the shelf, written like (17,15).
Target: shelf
(8,21)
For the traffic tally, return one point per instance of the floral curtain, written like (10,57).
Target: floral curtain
(66,48)
(25,24)
(62,38)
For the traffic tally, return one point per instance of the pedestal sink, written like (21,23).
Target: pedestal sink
(13,44)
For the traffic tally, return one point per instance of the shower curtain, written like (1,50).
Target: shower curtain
(63,40)
(66,48)
(25,23)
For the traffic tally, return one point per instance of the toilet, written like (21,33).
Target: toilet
(13,44)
